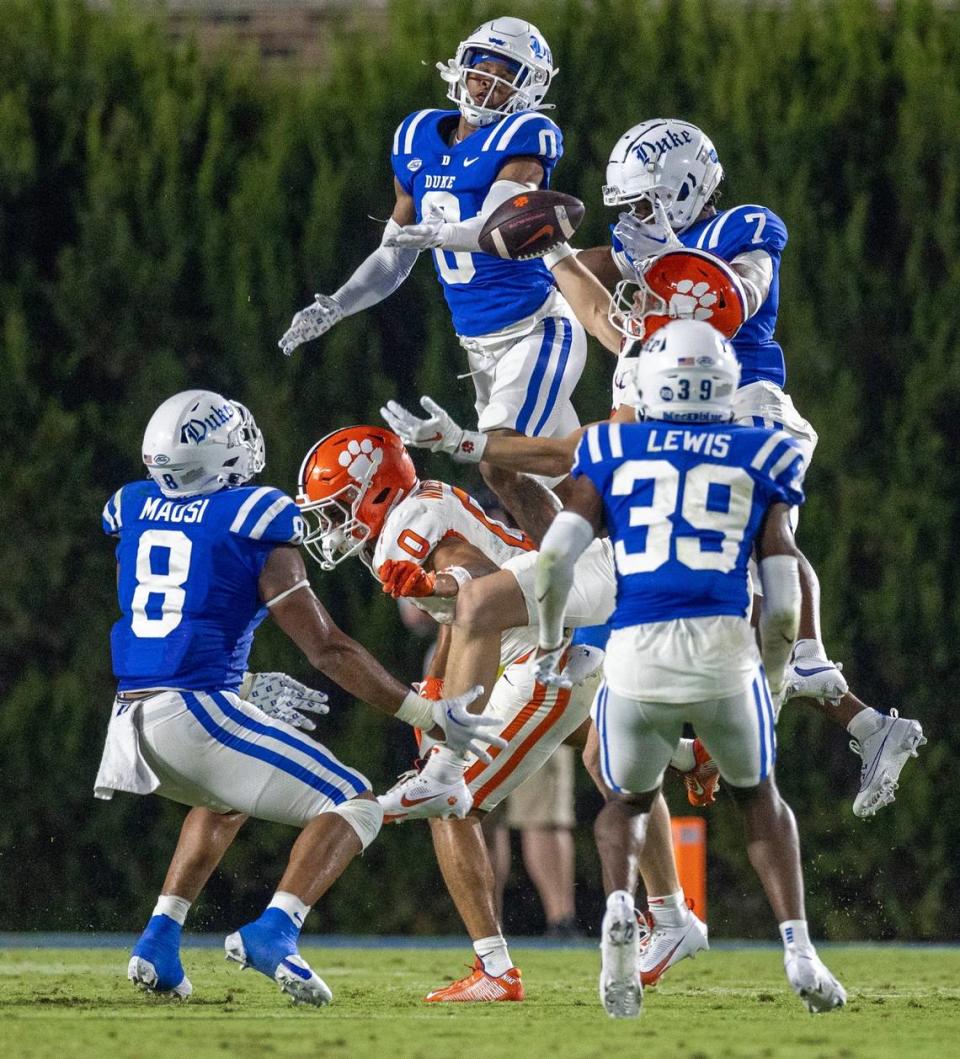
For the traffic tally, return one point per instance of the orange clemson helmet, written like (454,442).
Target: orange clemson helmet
(683,284)
(349,482)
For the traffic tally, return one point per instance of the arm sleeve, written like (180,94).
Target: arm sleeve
(779,615)
(464,235)
(378,276)
(565,541)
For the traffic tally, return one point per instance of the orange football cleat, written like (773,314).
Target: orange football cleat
(478,985)
(703,780)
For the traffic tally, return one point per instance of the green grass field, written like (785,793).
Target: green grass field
(68,1003)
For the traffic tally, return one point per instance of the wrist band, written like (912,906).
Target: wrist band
(415,711)
(458,573)
(557,254)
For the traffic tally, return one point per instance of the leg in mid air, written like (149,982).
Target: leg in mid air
(884,742)
(204,839)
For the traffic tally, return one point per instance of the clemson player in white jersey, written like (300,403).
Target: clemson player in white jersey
(359,495)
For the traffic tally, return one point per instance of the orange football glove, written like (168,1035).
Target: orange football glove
(401,577)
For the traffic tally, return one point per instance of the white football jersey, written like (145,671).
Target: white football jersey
(430,514)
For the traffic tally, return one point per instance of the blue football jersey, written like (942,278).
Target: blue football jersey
(683,506)
(737,231)
(187,583)
(484,293)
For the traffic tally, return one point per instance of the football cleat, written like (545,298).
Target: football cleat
(155,965)
(621,991)
(418,795)
(269,945)
(814,678)
(703,780)
(479,986)
(812,982)
(884,753)
(665,946)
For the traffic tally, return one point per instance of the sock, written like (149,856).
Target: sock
(809,649)
(670,910)
(445,765)
(864,723)
(683,759)
(492,953)
(174,907)
(795,935)
(292,905)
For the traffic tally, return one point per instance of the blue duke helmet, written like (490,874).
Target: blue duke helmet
(687,372)
(520,47)
(670,165)
(198,442)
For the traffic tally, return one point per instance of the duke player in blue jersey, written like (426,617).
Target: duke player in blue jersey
(686,496)
(452,168)
(202,559)
(667,173)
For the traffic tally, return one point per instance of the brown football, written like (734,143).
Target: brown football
(529,224)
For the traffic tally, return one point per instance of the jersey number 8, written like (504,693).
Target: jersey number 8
(167,585)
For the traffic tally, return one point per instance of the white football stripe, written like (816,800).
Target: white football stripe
(248,505)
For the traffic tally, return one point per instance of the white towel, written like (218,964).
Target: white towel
(123,766)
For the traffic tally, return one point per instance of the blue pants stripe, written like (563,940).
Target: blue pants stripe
(604,745)
(540,369)
(298,742)
(762,730)
(557,375)
(765,687)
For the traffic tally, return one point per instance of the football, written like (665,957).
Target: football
(529,224)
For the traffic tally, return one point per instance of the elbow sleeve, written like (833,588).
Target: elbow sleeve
(779,614)
(565,541)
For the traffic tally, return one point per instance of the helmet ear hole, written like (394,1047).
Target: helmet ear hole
(381,496)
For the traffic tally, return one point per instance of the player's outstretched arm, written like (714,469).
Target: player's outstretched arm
(438,432)
(376,278)
(285,589)
(780,610)
(587,296)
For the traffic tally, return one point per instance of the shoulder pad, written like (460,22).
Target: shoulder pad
(266,514)
(403,138)
(527,133)
(111,520)
(744,228)
(415,527)
(779,459)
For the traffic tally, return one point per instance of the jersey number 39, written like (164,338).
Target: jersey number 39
(716,501)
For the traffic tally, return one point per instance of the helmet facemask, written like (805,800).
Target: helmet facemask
(334,529)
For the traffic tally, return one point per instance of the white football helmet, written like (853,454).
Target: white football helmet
(669,164)
(687,372)
(517,44)
(198,442)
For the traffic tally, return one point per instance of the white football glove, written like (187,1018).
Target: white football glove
(438,432)
(311,322)
(285,699)
(646,239)
(427,235)
(546,669)
(462,730)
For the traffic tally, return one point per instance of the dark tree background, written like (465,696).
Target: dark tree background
(161,217)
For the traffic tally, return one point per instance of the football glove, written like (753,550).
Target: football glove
(438,432)
(285,699)
(311,322)
(546,669)
(463,730)
(401,577)
(649,238)
(427,235)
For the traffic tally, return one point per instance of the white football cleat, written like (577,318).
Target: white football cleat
(419,795)
(884,753)
(812,982)
(665,946)
(814,678)
(621,991)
